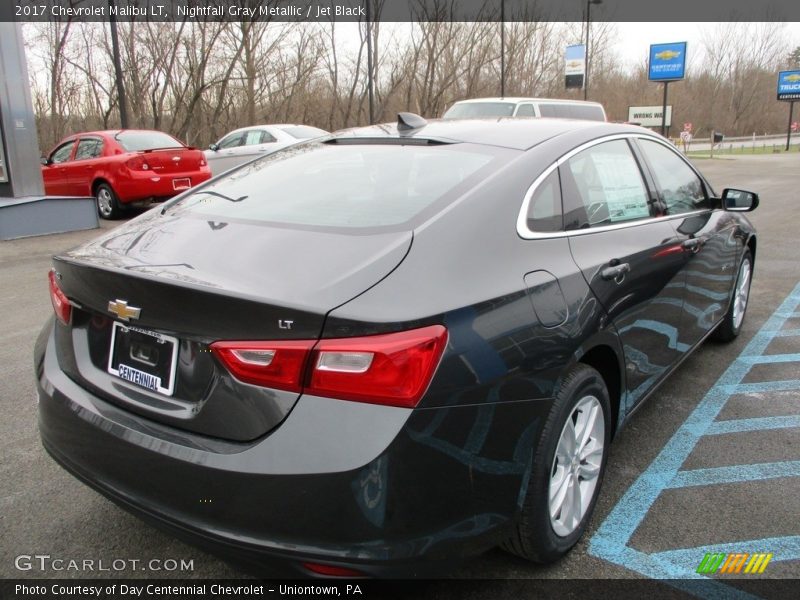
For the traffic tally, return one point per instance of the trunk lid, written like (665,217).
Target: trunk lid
(195,282)
(170,161)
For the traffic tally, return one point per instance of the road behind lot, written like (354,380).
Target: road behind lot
(43,510)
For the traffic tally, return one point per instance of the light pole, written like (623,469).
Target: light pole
(588,26)
(502,48)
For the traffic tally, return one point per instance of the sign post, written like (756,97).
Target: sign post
(789,91)
(667,63)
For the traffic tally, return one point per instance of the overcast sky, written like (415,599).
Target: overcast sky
(634,39)
(632,42)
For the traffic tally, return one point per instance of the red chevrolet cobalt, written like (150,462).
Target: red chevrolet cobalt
(122,168)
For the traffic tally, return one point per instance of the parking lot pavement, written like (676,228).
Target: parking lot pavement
(711,464)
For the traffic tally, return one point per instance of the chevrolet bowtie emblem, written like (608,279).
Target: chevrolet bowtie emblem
(123,311)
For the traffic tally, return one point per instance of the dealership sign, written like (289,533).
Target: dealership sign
(575,66)
(667,61)
(789,85)
(649,116)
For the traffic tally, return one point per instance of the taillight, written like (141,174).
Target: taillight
(138,163)
(278,365)
(61,305)
(393,369)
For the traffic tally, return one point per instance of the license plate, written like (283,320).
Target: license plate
(181,184)
(144,358)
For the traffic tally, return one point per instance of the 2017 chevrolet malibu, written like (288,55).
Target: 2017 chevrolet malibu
(391,348)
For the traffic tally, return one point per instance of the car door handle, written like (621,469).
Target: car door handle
(617,272)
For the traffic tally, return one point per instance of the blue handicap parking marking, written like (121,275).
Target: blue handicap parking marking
(611,540)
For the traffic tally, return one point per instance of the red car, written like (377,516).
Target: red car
(122,168)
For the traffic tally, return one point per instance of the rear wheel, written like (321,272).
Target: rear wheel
(107,204)
(567,469)
(732,322)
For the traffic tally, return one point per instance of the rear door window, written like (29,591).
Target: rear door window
(525,110)
(89,148)
(603,185)
(548,110)
(257,136)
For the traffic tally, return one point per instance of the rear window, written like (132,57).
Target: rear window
(476,110)
(304,132)
(138,141)
(349,186)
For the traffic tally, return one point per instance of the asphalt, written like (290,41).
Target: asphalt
(43,510)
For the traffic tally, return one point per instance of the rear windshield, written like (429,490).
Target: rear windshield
(138,141)
(303,132)
(475,110)
(342,185)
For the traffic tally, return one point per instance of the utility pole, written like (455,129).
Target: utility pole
(370,90)
(123,108)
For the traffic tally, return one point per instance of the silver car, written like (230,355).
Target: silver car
(247,143)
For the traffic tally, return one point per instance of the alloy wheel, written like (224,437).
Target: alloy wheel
(104,202)
(742,294)
(576,466)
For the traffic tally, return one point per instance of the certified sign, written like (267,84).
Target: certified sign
(649,116)
(789,85)
(667,61)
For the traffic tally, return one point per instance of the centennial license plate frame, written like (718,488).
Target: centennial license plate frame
(143,358)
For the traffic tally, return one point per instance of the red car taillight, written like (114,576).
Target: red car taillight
(61,305)
(138,163)
(392,369)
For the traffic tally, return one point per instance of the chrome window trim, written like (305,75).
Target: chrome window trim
(522,218)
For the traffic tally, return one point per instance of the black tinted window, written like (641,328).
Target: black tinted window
(548,110)
(358,185)
(138,141)
(544,211)
(587,112)
(680,187)
(603,185)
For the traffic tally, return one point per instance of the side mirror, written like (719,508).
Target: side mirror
(44,160)
(739,200)
(213,147)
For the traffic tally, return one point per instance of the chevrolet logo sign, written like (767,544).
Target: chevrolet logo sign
(123,311)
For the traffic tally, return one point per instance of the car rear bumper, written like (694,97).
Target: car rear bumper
(384,491)
(146,185)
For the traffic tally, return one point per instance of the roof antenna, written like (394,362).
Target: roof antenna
(407,121)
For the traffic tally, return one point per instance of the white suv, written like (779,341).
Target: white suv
(526,107)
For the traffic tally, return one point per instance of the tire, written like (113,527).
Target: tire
(731,324)
(538,536)
(108,206)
